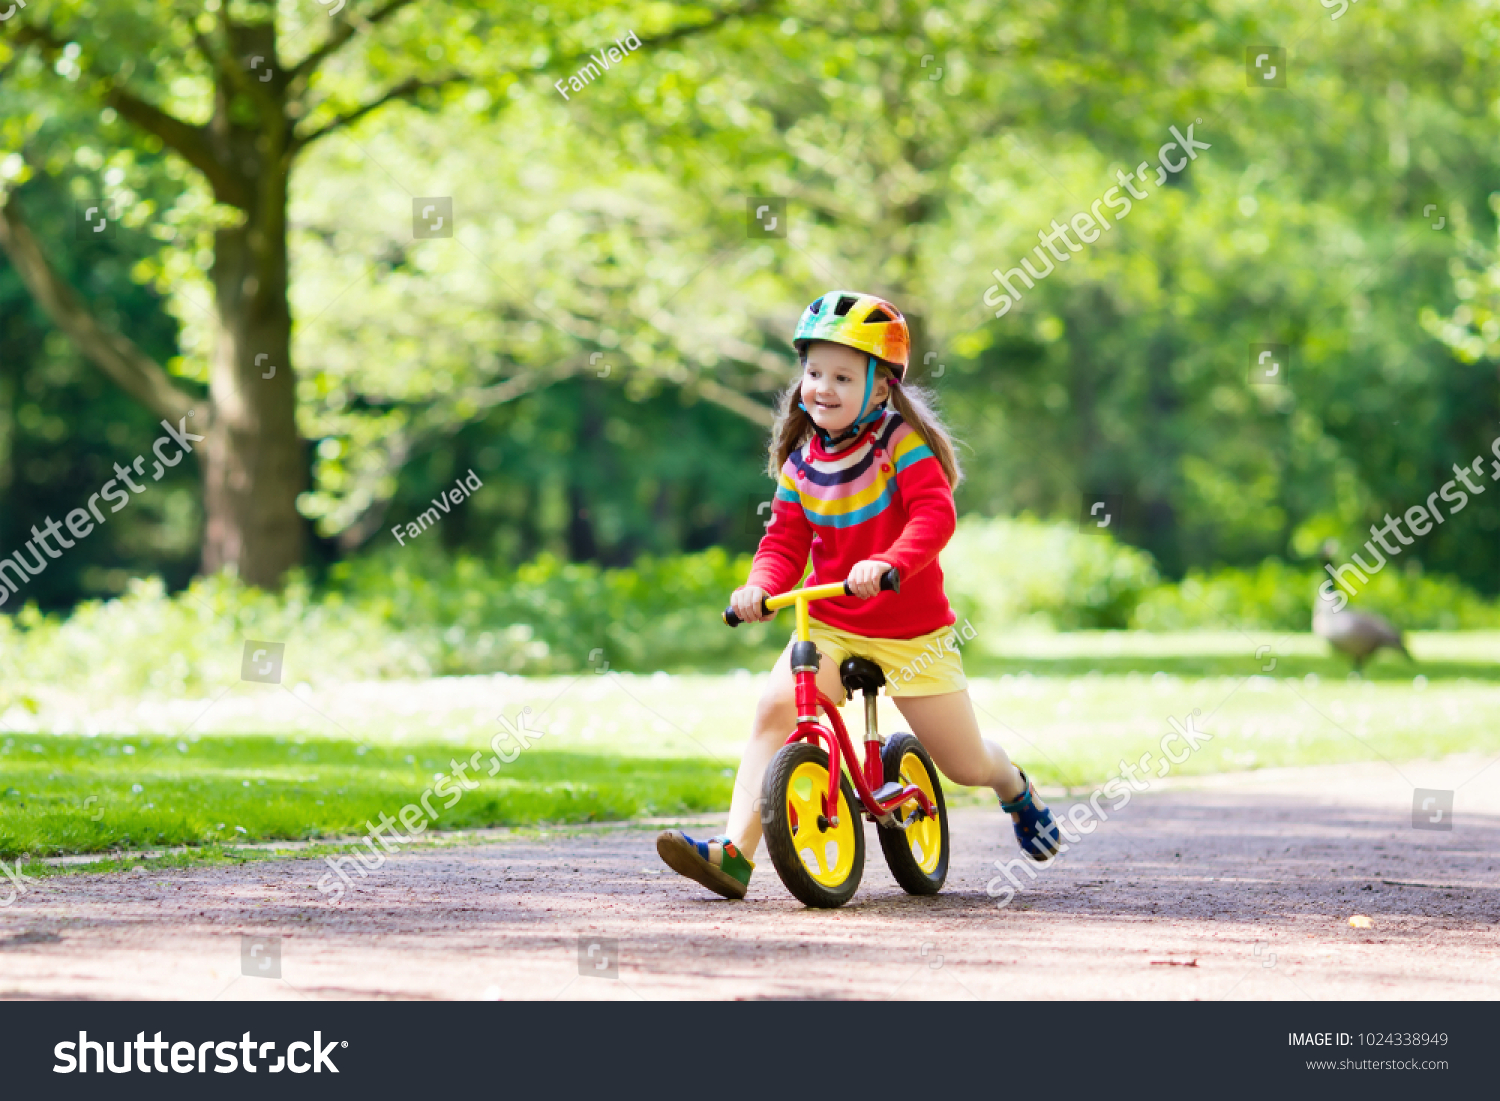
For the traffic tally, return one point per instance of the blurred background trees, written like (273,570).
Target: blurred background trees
(602,337)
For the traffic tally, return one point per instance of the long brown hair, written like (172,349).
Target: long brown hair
(793,427)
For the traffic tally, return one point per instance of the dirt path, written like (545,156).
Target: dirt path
(1238,887)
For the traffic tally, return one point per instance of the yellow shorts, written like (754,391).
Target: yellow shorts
(928,665)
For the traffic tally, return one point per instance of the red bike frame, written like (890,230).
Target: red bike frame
(868,779)
(836,743)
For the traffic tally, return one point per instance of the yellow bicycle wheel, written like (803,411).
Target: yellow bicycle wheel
(819,856)
(918,854)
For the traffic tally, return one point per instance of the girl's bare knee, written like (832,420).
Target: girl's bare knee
(774,718)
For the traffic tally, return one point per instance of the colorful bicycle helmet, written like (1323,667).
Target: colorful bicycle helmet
(861,321)
(866,323)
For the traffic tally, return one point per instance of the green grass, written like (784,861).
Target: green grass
(1073,706)
(150,792)
(264,764)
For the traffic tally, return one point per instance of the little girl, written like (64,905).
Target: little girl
(865,475)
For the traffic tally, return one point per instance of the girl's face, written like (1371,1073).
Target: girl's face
(833,382)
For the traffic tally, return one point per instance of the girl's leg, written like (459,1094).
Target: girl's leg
(775,718)
(946,726)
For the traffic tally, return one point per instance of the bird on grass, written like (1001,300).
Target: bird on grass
(1356,635)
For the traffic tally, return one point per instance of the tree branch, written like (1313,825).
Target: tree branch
(409,87)
(423,437)
(734,401)
(136,373)
(188,141)
(231,69)
(753,7)
(341,34)
(405,90)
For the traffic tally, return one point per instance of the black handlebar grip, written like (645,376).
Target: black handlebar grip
(732,620)
(890,582)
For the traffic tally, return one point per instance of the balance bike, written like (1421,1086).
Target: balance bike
(809,809)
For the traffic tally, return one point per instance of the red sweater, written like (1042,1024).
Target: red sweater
(883,497)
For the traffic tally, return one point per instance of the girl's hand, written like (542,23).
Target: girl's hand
(746,603)
(864,578)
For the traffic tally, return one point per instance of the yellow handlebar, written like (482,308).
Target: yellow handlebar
(890,581)
(817,592)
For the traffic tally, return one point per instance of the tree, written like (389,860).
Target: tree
(226,90)
(63,424)
(923,147)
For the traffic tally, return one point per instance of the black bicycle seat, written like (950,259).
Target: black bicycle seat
(861,674)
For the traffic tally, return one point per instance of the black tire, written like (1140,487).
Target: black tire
(789,835)
(918,875)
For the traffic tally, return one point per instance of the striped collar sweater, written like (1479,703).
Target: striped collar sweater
(883,497)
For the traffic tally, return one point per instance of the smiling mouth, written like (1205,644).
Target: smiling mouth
(823,405)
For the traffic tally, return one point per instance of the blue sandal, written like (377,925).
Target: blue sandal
(1037,830)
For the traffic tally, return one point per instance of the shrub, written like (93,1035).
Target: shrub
(417,613)
(1027,571)
(1272,596)
(1277,596)
(397,615)
(549,616)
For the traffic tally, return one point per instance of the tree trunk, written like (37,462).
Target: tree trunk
(255,464)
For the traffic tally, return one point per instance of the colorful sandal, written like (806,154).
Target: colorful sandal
(716,863)
(1037,830)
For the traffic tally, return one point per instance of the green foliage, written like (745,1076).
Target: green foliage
(1473,329)
(550,616)
(1277,596)
(191,641)
(1010,572)
(417,612)
(921,146)
(590,474)
(399,614)
(63,424)
(1273,595)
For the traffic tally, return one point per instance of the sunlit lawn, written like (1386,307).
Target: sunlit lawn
(258,762)
(77,794)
